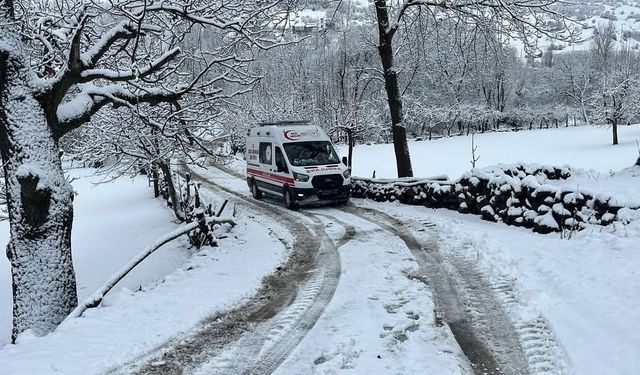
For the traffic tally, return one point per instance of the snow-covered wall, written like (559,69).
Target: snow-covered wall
(516,194)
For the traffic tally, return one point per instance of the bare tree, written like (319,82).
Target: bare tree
(60,64)
(616,97)
(603,45)
(576,81)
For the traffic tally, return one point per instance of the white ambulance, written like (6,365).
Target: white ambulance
(295,160)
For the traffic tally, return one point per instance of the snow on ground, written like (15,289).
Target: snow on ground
(112,222)
(586,286)
(597,13)
(621,185)
(379,321)
(174,292)
(587,147)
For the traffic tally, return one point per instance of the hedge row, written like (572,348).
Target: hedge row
(515,194)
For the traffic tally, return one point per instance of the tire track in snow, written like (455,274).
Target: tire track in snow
(464,301)
(350,230)
(256,337)
(545,355)
(274,340)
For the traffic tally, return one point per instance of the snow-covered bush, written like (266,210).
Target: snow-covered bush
(194,209)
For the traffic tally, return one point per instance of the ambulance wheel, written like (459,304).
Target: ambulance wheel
(289,202)
(255,192)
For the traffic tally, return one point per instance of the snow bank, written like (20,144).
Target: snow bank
(168,294)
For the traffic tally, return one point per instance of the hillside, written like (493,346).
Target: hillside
(315,15)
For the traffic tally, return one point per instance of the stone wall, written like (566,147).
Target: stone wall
(516,194)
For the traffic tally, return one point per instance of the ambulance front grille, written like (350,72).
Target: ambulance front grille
(327,182)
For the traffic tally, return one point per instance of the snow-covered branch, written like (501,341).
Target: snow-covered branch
(96,298)
(137,52)
(129,74)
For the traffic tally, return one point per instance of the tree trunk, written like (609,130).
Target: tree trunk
(398,130)
(351,143)
(173,192)
(39,200)
(614,129)
(154,177)
(585,116)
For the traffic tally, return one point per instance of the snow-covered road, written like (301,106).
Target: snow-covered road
(331,290)
(400,306)
(379,320)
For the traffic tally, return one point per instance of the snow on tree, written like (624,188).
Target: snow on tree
(525,20)
(60,64)
(576,81)
(615,97)
(615,101)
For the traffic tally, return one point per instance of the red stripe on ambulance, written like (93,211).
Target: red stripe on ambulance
(270,176)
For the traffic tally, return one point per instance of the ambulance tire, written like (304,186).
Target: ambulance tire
(289,201)
(255,191)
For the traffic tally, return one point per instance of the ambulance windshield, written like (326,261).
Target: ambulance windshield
(305,154)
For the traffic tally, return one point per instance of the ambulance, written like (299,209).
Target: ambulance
(296,161)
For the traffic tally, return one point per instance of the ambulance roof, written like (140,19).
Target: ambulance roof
(285,132)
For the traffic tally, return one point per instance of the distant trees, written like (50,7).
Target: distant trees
(603,46)
(455,73)
(617,97)
(575,82)
(458,68)
(330,78)
(522,19)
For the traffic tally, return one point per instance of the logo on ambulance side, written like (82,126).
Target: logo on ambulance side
(293,135)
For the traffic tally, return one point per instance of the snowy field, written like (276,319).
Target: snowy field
(597,166)
(587,147)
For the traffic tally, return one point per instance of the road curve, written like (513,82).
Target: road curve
(256,337)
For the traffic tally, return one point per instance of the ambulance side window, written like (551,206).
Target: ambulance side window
(281,164)
(265,153)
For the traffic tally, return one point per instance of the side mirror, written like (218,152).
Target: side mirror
(345,161)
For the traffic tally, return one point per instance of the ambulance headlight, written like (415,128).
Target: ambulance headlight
(300,177)
(346,174)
